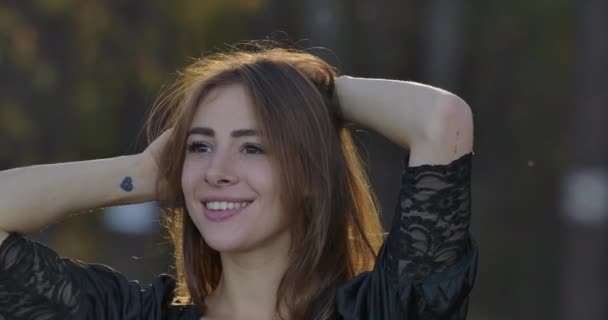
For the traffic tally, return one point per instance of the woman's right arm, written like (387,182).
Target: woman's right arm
(33,197)
(36,282)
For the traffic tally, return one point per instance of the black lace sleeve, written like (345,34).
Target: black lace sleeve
(427,265)
(35,283)
(430,229)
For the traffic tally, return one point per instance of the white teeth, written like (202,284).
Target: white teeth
(223,205)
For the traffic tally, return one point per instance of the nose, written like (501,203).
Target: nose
(220,171)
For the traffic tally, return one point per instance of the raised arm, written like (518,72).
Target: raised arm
(33,197)
(436,125)
(427,266)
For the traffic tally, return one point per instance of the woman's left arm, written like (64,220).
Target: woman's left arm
(426,267)
(436,125)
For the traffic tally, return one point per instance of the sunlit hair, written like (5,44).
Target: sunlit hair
(335,228)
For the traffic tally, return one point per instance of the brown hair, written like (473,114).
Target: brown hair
(336,232)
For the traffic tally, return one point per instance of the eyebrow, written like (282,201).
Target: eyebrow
(210,133)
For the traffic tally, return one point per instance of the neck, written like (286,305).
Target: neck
(249,283)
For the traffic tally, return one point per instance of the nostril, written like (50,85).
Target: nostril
(219,179)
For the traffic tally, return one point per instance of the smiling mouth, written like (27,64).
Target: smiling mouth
(225,205)
(218,211)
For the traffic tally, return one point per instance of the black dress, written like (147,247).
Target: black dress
(425,269)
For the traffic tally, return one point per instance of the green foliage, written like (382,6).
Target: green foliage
(14,122)
(95,63)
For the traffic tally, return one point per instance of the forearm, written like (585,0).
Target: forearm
(32,197)
(435,123)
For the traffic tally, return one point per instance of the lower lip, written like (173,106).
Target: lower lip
(222,215)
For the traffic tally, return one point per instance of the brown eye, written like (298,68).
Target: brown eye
(196,147)
(253,149)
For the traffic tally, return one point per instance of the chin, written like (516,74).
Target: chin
(225,244)
(240,242)
(241,233)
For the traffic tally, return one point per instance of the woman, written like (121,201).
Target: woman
(267,203)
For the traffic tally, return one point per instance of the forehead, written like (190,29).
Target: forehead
(227,107)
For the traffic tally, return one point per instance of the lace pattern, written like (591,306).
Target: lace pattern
(46,292)
(429,234)
(430,229)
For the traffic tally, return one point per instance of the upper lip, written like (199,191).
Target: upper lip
(225,199)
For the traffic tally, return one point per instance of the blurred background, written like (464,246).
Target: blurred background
(77,78)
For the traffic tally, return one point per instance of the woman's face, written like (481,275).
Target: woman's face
(229,181)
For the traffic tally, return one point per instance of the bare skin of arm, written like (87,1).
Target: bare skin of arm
(33,197)
(436,125)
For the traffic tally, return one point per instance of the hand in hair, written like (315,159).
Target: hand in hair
(150,160)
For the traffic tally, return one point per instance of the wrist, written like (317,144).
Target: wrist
(137,182)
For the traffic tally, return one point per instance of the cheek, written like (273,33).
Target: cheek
(266,183)
(262,176)
(190,175)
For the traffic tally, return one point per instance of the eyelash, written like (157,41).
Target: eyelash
(194,147)
(258,149)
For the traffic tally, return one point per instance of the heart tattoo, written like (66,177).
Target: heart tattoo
(127,184)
